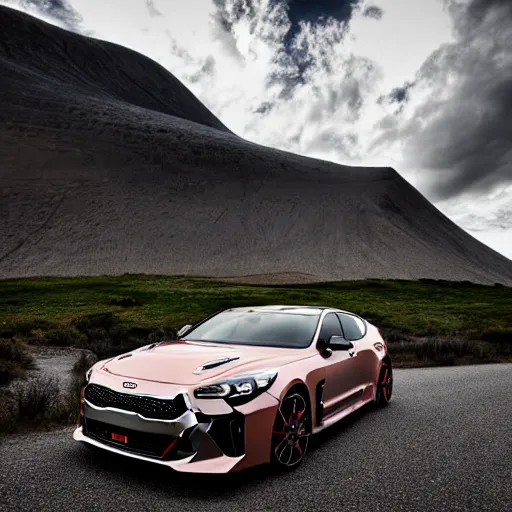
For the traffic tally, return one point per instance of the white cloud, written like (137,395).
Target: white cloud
(332,100)
(487,217)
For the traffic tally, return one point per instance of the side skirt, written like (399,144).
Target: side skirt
(367,397)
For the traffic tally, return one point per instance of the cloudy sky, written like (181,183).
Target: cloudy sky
(424,86)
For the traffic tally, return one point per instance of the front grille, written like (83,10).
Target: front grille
(146,406)
(153,445)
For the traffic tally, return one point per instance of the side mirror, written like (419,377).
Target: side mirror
(339,343)
(183,330)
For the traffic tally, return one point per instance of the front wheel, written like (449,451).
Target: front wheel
(385,384)
(291,430)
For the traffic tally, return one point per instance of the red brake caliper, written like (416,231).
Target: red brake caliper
(297,445)
(299,416)
(385,384)
(293,421)
(279,433)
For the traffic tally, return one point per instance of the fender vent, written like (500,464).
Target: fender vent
(319,402)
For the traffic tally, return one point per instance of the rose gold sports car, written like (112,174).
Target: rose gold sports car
(243,387)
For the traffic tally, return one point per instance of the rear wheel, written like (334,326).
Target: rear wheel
(385,385)
(291,430)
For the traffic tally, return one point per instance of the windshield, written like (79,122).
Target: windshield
(269,328)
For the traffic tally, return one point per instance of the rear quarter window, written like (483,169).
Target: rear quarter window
(354,327)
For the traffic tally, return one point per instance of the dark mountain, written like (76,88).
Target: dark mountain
(109,165)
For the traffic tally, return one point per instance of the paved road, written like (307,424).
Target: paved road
(443,444)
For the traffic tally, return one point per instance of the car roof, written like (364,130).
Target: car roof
(282,308)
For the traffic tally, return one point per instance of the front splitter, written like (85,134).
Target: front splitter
(221,464)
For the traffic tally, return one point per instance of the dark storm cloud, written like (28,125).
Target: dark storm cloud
(153,11)
(60,10)
(463,132)
(374,12)
(349,95)
(478,9)
(305,41)
(298,10)
(317,10)
(344,143)
(264,108)
(398,95)
(227,16)
(294,60)
(316,13)
(288,73)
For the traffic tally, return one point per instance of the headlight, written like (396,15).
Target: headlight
(240,389)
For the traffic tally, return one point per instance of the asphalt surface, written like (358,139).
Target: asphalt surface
(444,443)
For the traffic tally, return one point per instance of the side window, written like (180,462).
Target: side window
(330,327)
(353,327)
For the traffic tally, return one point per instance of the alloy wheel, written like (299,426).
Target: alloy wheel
(385,384)
(290,434)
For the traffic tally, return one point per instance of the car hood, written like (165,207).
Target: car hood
(180,362)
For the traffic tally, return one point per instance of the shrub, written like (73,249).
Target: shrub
(8,372)
(427,280)
(66,337)
(39,402)
(95,321)
(23,328)
(498,335)
(14,359)
(15,351)
(126,302)
(69,405)
(392,335)
(84,362)
(500,339)
(442,351)
(34,400)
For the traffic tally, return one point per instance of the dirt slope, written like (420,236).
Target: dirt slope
(109,165)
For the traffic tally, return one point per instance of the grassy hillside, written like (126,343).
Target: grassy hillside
(426,322)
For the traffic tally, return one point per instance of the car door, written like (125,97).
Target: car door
(340,375)
(364,358)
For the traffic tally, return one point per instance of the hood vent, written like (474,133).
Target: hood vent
(214,364)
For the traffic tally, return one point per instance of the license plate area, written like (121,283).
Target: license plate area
(152,445)
(119,437)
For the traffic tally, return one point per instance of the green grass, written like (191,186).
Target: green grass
(113,313)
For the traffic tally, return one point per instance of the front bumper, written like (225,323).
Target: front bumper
(215,438)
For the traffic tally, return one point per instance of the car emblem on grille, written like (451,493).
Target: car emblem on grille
(130,385)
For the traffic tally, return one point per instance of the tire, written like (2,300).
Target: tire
(290,434)
(385,384)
